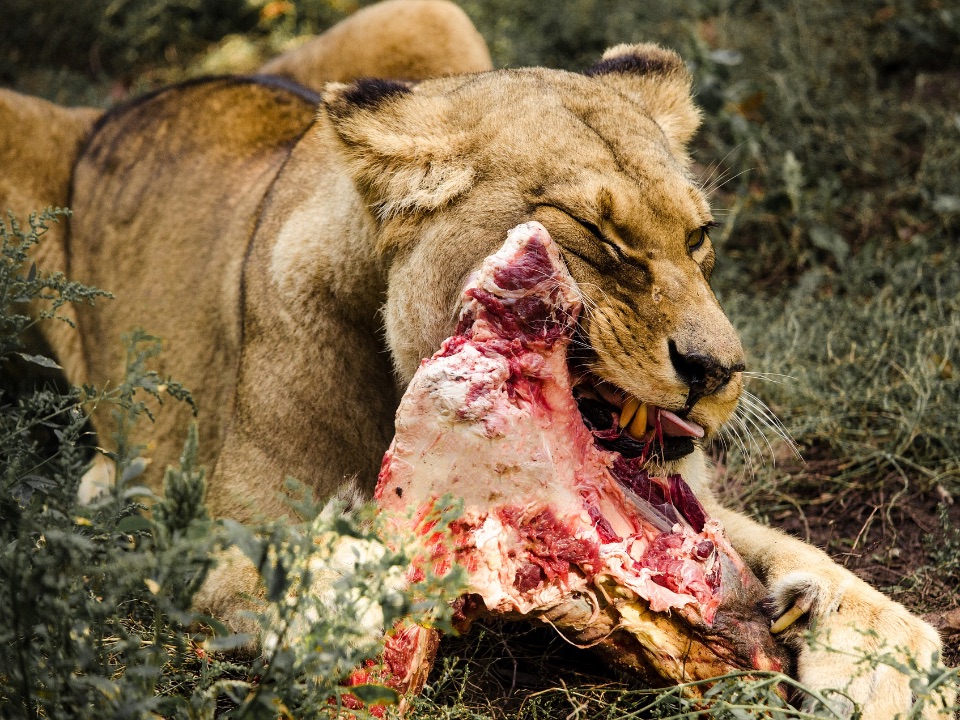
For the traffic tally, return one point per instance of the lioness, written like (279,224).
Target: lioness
(300,259)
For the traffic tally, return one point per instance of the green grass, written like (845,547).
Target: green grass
(859,363)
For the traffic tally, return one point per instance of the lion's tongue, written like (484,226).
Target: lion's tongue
(675,426)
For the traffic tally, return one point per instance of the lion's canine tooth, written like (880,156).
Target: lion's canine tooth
(628,410)
(638,425)
(787,619)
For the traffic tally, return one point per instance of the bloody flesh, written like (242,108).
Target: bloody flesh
(556,526)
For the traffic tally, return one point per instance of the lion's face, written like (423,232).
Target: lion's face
(451,165)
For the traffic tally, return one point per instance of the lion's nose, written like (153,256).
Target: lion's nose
(703,373)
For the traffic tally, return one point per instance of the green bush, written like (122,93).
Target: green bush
(122,38)
(77,582)
(95,600)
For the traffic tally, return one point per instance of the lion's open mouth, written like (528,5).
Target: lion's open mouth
(635,429)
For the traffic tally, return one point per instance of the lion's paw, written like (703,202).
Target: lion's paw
(857,649)
(98,480)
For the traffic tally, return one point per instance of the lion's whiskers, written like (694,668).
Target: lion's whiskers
(753,421)
(778,378)
(766,417)
(722,180)
(710,180)
(753,448)
(731,432)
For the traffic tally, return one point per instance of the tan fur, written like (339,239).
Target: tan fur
(39,145)
(665,94)
(163,197)
(404,39)
(299,270)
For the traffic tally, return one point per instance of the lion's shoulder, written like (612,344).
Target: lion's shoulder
(215,143)
(165,196)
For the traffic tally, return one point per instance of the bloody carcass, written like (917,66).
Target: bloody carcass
(561,522)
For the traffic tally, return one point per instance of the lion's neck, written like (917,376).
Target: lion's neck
(320,235)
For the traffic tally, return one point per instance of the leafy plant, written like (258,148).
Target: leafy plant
(333,583)
(95,600)
(72,576)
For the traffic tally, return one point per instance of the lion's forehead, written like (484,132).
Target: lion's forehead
(581,143)
(542,108)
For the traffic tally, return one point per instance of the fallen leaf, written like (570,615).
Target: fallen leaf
(947,622)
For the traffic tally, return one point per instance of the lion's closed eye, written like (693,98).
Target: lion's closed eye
(608,244)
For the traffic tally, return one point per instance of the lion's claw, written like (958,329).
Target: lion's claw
(788,618)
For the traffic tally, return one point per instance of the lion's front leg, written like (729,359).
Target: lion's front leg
(847,636)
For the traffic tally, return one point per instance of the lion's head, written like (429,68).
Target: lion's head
(600,160)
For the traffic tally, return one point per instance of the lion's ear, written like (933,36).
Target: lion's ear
(405,156)
(658,79)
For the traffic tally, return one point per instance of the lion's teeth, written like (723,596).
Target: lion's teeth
(628,410)
(638,424)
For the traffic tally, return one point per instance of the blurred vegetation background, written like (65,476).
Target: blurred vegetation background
(828,125)
(831,149)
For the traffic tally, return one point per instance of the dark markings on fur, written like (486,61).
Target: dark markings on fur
(619,340)
(367,93)
(615,154)
(633,64)
(628,285)
(281,83)
(269,81)
(564,251)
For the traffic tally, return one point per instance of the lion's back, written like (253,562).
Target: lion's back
(165,198)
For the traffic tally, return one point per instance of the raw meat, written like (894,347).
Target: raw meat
(556,527)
